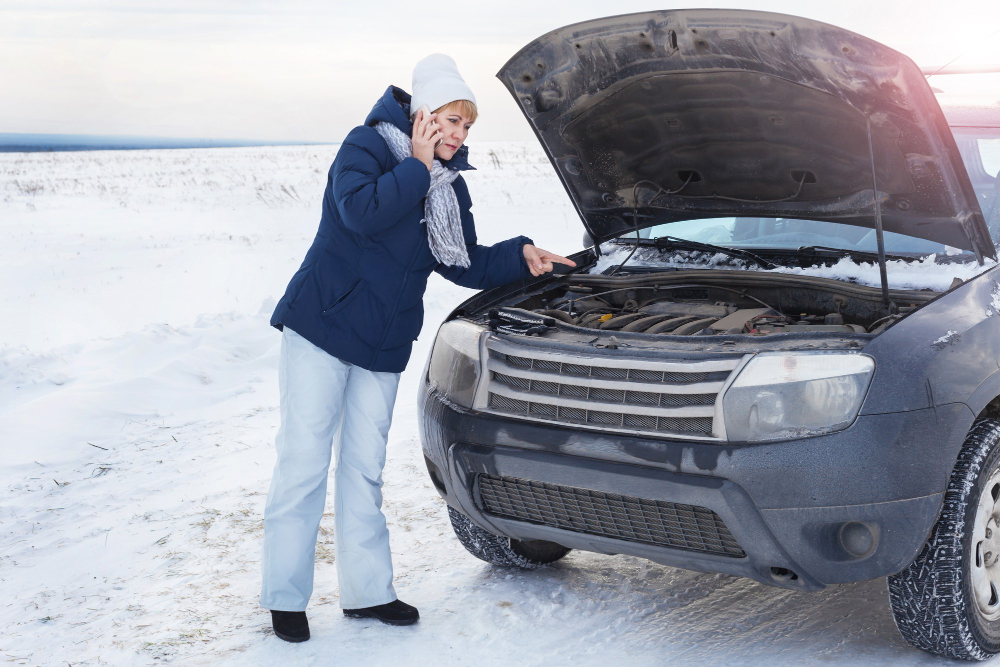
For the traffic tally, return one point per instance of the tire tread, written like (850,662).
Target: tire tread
(491,548)
(928,598)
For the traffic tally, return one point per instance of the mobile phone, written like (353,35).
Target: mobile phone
(427,112)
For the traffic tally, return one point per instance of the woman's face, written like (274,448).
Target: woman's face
(454,130)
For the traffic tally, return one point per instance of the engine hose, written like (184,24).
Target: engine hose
(876,323)
(616,323)
(589,318)
(557,314)
(694,327)
(644,323)
(669,325)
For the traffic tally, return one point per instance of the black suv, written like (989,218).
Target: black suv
(696,397)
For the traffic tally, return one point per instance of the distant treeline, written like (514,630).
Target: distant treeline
(33,143)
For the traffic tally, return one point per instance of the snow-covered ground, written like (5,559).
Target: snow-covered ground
(138,397)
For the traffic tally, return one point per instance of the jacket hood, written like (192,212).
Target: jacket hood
(744,114)
(394,107)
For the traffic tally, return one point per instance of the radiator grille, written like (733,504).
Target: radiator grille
(695,425)
(632,394)
(611,515)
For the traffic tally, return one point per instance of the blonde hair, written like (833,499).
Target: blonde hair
(464,107)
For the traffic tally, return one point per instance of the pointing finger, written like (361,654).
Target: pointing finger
(558,258)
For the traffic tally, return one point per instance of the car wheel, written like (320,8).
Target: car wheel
(947,601)
(503,551)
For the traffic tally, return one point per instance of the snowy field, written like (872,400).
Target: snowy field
(138,408)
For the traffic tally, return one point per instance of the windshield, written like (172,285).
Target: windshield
(980,149)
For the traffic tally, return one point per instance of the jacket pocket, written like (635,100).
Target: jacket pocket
(341,299)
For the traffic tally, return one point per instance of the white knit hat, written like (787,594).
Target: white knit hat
(436,82)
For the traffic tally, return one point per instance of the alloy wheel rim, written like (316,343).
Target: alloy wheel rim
(984,561)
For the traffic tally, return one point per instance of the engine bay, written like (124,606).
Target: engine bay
(753,306)
(687,318)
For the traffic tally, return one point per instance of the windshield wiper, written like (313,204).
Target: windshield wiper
(674,242)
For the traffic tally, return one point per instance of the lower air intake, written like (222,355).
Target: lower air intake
(608,515)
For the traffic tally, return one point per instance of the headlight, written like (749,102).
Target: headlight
(454,366)
(788,395)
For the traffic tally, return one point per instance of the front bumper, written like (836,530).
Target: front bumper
(802,512)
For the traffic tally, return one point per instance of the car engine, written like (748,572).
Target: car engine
(672,314)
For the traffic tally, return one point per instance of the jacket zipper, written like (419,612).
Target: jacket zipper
(342,297)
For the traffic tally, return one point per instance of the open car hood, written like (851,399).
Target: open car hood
(760,114)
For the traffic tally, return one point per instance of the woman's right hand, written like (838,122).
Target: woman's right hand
(425,137)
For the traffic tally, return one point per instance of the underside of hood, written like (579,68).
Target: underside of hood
(745,114)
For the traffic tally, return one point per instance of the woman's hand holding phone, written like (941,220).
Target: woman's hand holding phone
(426,136)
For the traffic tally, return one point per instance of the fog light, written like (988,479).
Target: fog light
(783,574)
(858,539)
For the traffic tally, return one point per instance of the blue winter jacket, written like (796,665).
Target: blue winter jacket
(359,292)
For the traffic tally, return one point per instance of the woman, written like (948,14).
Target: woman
(395,209)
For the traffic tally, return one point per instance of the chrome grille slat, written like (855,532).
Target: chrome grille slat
(613,393)
(572,415)
(683,411)
(684,367)
(694,387)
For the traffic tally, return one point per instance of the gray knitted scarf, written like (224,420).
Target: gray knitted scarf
(441,212)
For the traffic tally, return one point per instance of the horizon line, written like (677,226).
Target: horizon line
(31,142)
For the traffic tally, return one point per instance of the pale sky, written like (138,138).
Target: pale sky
(305,70)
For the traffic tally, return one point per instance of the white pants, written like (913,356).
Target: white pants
(328,404)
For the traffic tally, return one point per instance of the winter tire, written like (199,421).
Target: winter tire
(947,601)
(503,551)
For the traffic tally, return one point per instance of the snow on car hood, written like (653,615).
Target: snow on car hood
(746,114)
(925,273)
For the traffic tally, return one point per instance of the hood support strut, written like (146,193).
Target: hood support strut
(878,223)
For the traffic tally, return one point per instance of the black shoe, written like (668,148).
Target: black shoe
(291,626)
(393,613)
